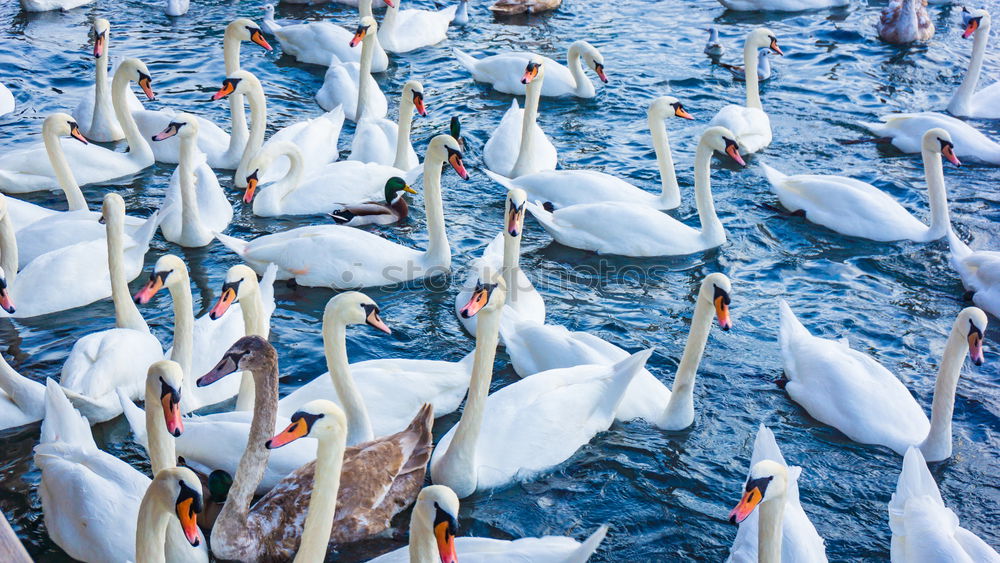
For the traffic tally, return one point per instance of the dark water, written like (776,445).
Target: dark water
(665,494)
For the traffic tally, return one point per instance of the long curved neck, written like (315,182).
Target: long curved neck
(511,263)
(711,226)
(670,192)
(126,313)
(934,172)
(258,126)
(769,530)
(403,146)
(359,426)
(104,111)
(151,528)
(190,213)
(524,153)
(753,81)
(237,114)
(965,92)
(423,546)
(160,445)
(137,145)
(389,20)
(254,324)
(8,248)
(581,84)
(458,463)
(323,502)
(293,178)
(679,412)
(183,351)
(937,445)
(364,74)
(438,250)
(64,175)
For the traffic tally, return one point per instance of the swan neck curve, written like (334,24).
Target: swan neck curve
(359,426)
(64,174)
(670,192)
(258,126)
(961,100)
(937,446)
(254,324)
(237,114)
(523,164)
(769,530)
(8,248)
(438,250)
(403,146)
(126,313)
(711,226)
(679,412)
(138,148)
(161,449)
(151,528)
(190,212)
(582,85)
(936,194)
(750,65)
(423,546)
(364,74)
(183,351)
(323,502)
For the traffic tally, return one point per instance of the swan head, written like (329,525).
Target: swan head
(437,505)
(100,31)
(722,140)
(183,488)
(241,281)
(113,210)
(768,481)
(354,308)
(763,37)
(971,323)
(489,294)
(666,106)
(716,289)
(592,57)
(262,161)
(394,189)
(169,271)
(316,418)
(534,71)
(514,212)
(239,82)
(938,141)
(413,91)
(165,378)
(5,302)
(184,124)
(250,353)
(136,71)
(62,125)
(974,20)
(245,29)
(367,27)
(444,148)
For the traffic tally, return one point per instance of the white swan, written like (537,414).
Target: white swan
(748,122)
(799,540)
(7,102)
(503,255)
(855,208)
(967,102)
(347,258)
(360,388)
(194,206)
(504,71)
(433,529)
(906,130)
(95,113)
(781,5)
(316,137)
(855,394)
(407,30)
(325,44)
(325,190)
(763,67)
(378,139)
(175,8)
(22,400)
(518,145)
(350,85)
(47,5)
(924,530)
(766,487)
(531,425)
(563,188)
(534,347)
(615,227)
(28,170)
(223,150)
(174,495)
(980,273)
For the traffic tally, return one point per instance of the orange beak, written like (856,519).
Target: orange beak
(390,3)
(146,83)
(775,48)
(74,131)
(445,542)
(170,401)
(188,509)
(976,347)
(733,150)
(516,221)
(749,502)
(530,73)
(257,36)
(418,103)
(679,111)
(948,151)
(295,430)
(373,319)
(99,44)
(722,312)
(222,305)
(251,187)
(147,292)
(455,159)
(599,69)
(971,28)
(480,297)
(359,35)
(227,88)
(5,301)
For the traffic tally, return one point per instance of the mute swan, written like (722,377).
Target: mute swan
(194,206)
(95,112)
(749,123)
(325,190)
(379,478)
(377,139)
(781,5)
(407,30)
(47,5)
(906,130)
(924,530)
(360,387)
(223,150)
(713,48)
(177,7)
(28,170)
(905,21)
(350,85)
(22,400)
(855,208)
(518,146)
(7,102)
(799,540)
(504,71)
(316,137)
(531,425)
(763,67)
(967,102)
(534,347)
(766,487)
(394,210)
(433,529)
(563,188)
(514,7)
(855,394)
(980,273)
(631,230)
(376,3)
(175,492)
(503,255)
(345,258)
(325,44)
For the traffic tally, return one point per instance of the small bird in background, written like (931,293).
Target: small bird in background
(713,48)
(763,66)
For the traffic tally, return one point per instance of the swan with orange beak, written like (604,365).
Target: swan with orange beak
(765,490)
(174,492)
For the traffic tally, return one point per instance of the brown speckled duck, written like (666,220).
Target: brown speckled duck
(514,7)
(905,21)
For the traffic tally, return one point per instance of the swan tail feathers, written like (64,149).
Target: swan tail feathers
(267,288)
(915,480)
(623,373)
(62,423)
(238,246)
(773,176)
(27,394)
(588,547)
(542,214)
(420,440)
(465,59)
(959,249)
(501,179)
(765,446)
(144,234)
(135,416)
(790,325)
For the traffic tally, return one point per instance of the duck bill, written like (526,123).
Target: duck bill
(418,104)
(227,365)
(257,36)
(948,151)
(976,348)
(188,508)
(251,187)
(74,131)
(970,28)
(733,150)
(227,88)
(170,402)
(599,69)
(445,542)
(408,189)
(775,48)
(5,301)
(227,298)
(455,159)
(746,506)
(359,36)
(146,83)
(293,432)
(99,43)
(515,222)
(480,297)
(147,292)
(374,320)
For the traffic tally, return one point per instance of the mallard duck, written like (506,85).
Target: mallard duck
(514,7)
(392,211)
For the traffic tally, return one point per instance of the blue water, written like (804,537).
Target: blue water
(665,494)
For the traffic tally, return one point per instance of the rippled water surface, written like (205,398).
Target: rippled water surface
(665,494)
